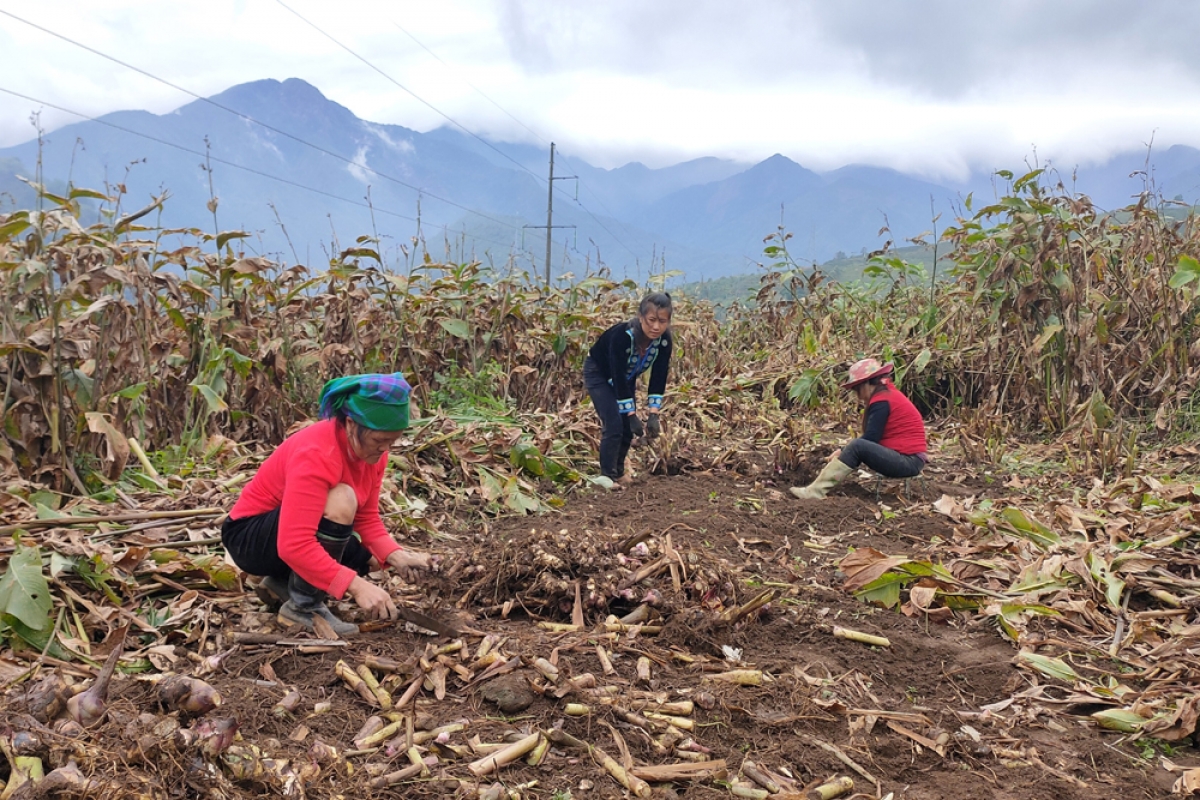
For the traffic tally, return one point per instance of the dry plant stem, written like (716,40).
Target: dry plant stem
(424,737)
(414,757)
(355,683)
(627,779)
(683,723)
(751,771)
(138,516)
(585,680)
(648,570)
(485,646)
(411,692)
(632,718)
(682,708)
(577,609)
(605,662)
(513,752)
(381,695)
(748,791)
(147,467)
(384,664)
(392,778)
(845,759)
(373,725)
(637,616)
(245,637)
(379,736)
(742,677)
(646,630)
(924,741)
(663,773)
(643,669)
(835,788)
(758,601)
(538,754)
(860,637)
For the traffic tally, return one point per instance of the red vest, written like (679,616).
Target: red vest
(905,430)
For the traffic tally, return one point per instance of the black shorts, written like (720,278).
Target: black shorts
(253,544)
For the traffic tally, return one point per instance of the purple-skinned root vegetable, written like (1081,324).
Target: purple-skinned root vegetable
(212,736)
(88,707)
(192,696)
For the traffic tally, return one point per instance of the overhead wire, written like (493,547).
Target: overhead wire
(233,164)
(269,127)
(537,136)
(413,94)
(251,119)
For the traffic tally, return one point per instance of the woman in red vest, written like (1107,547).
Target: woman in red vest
(893,440)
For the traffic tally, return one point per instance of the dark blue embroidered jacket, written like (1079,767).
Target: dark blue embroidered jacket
(617,357)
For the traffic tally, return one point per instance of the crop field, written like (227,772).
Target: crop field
(1021,623)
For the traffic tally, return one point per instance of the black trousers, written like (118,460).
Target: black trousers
(615,435)
(884,460)
(253,544)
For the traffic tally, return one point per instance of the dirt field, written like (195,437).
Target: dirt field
(941,714)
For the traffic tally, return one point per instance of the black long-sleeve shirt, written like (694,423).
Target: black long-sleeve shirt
(875,420)
(615,353)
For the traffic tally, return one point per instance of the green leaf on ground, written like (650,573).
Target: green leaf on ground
(24,593)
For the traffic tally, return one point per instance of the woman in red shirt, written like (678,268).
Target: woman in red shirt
(893,441)
(294,523)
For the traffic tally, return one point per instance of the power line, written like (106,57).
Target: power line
(249,118)
(234,165)
(416,96)
(536,135)
(482,94)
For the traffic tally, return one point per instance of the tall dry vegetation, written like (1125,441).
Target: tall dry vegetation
(1059,318)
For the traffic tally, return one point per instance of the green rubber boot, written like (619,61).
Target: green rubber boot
(833,473)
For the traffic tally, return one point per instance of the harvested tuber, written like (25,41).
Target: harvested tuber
(191,696)
(211,736)
(287,705)
(88,707)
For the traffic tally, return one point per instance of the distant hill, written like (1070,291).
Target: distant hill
(706,217)
(744,288)
(14,192)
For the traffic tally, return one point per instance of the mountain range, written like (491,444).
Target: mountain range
(307,178)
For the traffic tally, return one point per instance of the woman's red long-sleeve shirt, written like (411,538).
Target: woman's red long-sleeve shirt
(296,479)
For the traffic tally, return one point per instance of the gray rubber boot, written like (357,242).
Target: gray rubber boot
(272,591)
(306,601)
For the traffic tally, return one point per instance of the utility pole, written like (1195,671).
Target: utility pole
(549,213)
(550,226)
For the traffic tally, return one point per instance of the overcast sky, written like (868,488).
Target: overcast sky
(933,87)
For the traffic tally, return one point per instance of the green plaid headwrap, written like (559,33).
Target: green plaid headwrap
(378,402)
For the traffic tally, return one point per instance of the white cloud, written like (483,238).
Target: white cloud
(401,146)
(358,165)
(934,86)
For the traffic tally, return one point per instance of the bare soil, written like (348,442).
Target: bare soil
(738,534)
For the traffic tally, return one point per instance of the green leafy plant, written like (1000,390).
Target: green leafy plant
(25,599)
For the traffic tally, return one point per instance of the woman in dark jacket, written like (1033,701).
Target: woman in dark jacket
(893,441)
(619,356)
